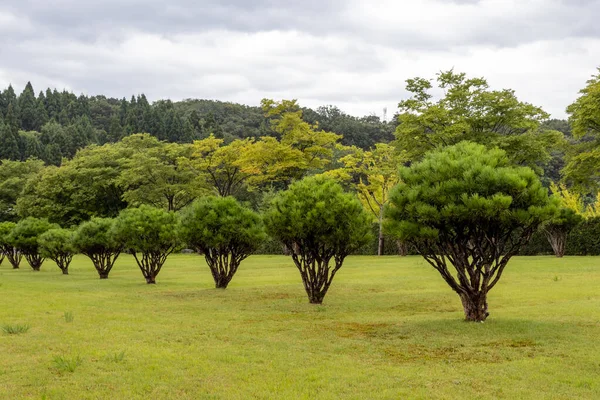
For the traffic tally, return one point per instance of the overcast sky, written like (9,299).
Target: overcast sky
(354,54)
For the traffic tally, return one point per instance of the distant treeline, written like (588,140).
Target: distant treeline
(53,125)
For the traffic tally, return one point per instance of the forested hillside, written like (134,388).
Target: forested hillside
(53,125)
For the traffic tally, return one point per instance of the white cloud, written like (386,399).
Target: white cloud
(545,50)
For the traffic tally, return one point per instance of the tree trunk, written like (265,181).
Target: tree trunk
(14,258)
(558,242)
(402,248)
(286,251)
(315,297)
(150,279)
(103,274)
(317,275)
(381,240)
(475,306)
(65,271)
(35,261)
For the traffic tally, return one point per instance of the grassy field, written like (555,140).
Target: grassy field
(389,328)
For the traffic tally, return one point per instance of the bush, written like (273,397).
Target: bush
(150,234)
(224,231)
(318,222)
(584,239)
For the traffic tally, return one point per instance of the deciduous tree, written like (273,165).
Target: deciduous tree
(470,110)
(583,162)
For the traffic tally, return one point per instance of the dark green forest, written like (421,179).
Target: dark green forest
(53,125)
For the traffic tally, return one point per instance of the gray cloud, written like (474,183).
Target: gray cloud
(352,53)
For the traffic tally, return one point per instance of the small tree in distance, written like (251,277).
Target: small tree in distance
(224,231)
(319,222)
(93,238)
(6,248)
(57,245)
(24,237)
(558,228)
(151,234)
(468,208)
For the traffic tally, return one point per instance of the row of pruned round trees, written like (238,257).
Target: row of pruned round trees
(466,209)
(315,218)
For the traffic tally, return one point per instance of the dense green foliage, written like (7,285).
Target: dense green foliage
(150,234)
(469,208)
(584,239)
(57,245)
(224,231)
(583,163)
(53,125)
(318,222)
(469,110)
(94,238)
(6,248)
(24,237)
(13,177)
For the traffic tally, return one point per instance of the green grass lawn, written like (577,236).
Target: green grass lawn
(389,328)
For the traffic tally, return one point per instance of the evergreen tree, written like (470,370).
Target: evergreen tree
(28,109)
(9,150)
(9,97)
(115,131)
(41,115)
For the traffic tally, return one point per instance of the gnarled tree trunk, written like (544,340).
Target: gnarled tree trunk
(380,238)
(103,262)
(150,264)
(475,306)
(402,248)
(35,261)
(316,273)
(558,241)
(223,264)
(63,262)
(14,258)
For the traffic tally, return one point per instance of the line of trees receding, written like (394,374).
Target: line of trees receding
(465,183)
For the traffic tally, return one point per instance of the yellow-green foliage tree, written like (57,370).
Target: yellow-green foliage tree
(583,166)
(470,110)
(154,173)
(286,119)
(373,174)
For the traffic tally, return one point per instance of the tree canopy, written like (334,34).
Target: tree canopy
(470,110)
(224,231)
(150,234)
(466,208)
(318,222)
